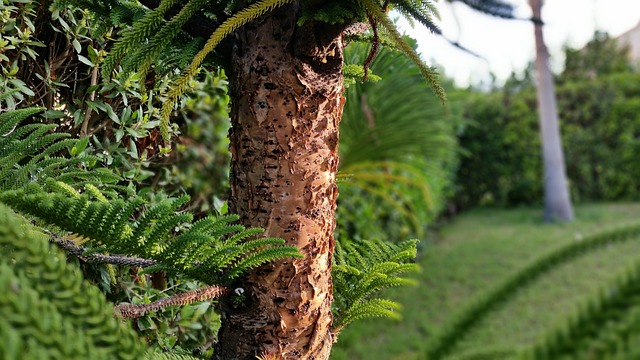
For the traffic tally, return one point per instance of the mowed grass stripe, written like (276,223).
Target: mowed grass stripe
(471,255)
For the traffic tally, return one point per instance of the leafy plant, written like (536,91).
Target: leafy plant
(45,303)
(597,103)
(364,268)
(124,230)
(396,151)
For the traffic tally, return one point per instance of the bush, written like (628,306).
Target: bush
(600,126)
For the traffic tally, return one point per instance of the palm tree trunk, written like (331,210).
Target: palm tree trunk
(556,193)
(287,91)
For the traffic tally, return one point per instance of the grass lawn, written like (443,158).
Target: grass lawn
(474,252)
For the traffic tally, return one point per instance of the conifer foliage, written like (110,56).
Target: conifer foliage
(75,195)
(29,153)
(212,250)
(364,268)
(139,47)
(46,310)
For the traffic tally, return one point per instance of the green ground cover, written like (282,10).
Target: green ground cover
(478,250)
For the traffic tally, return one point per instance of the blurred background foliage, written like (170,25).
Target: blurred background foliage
(599,107)
(397,151)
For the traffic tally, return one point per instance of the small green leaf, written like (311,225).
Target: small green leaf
(201,310)
(168,342)
(54,114)
(76,45)
(135,133)
(79,147)
(144,323)
(221,206)
(85,60)
(93,54)
(112,115)
(96,105)
(64,24)
(133,149)
(119,134)
(22,87)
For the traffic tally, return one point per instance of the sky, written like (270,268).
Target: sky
(508,45)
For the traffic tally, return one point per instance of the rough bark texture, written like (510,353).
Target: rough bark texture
(557,203)
(286,87)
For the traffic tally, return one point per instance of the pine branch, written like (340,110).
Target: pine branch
(119,260)
(423,15)
(35,143)
(128,311)
(198,25)
(145,54)
(496,8)
(208,250)
(362,269)
(243,17)
(142,30)
(428,73)
(212,250)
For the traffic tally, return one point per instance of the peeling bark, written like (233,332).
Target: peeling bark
(286,87)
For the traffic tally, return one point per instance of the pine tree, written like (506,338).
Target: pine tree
(284,61)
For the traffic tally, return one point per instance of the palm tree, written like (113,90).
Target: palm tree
(395,142)
(557,203)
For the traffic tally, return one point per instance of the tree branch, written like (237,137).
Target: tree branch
(128,311)
(120,260)
(197,26)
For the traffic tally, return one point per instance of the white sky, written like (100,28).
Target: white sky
(508,45)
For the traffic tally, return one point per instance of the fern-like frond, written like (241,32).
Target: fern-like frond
(142,30)
(155,354)
(146,53)
(373,8)
(29,153)
(213,251)
(371,308)
(361,270)
(258,258)
(496,8)
(9,120)
(74,198)
(241,18)
(423,11)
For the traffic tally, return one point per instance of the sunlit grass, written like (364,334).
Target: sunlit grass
(476,251)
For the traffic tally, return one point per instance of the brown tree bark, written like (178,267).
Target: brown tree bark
(286,87)
(557,203)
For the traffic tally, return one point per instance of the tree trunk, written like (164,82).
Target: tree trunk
(287,99)
(557,203)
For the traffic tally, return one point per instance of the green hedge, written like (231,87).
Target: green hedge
(600,124)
